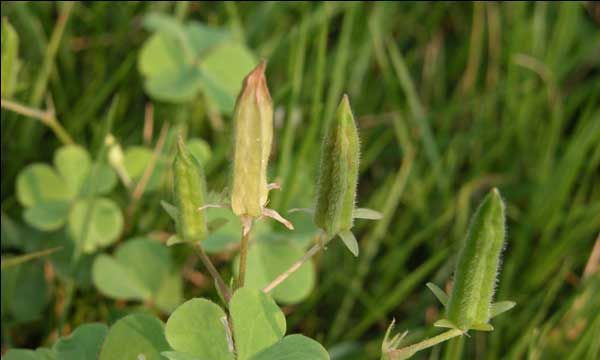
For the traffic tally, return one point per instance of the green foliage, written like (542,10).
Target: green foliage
(180,60)
(252,310)
(267,258)
(141,269)
(70,193)
(10,59)
(83,344)
(450,100)
(133,337)
(198,328)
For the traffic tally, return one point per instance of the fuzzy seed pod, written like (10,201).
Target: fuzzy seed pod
(478,263)
(253,119)
(338,173)
(190,188)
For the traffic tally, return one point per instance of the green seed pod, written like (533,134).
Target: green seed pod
(253,118)
(338,173)
(190,187)
(477,268)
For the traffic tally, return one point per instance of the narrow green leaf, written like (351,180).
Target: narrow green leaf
(8,262)
(10,59)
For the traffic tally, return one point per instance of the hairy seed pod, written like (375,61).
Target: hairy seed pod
(478,263)
(338,173)
(253,118)
(190,187)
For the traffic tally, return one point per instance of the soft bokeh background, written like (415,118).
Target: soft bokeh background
(450,99)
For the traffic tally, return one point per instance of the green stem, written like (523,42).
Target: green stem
(214,273)
(243,257)
(45,117)
(60,132)
(295,266)
(408,351)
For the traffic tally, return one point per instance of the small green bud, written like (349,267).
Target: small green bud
(477,268)
(190,188)
(338,173)
(253,118)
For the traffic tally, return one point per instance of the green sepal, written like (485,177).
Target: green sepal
(500,307)
(350,241)
(438,293)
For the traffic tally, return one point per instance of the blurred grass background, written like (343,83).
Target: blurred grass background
(451,99)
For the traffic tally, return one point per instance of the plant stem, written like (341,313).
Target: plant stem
(45,117)
(243,257)
(408,351)
(221,286)
(295,266)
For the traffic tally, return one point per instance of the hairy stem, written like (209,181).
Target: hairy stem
(221,286)
(295,266)
(408,351)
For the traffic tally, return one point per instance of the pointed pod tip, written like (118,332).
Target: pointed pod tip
(259,71)
(345,103)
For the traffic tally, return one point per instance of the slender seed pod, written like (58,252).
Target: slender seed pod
(478,263)
(253,119)
(338,173)
(190,188)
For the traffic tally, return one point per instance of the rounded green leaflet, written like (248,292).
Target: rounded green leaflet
(140,270)
(95,223)
(39,183)
(47,216)
(25,292)
(199,328)
(258,323)
(200,149)
(477,267)
(73,164)
(83,344)
(338,173)
(136,336)
(26,354)
(190,189)
(180,60)
(294,347)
